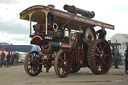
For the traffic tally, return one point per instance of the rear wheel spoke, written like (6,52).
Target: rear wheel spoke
(97,60)
(97,54)
(107,54)
(98,49)
(104,46)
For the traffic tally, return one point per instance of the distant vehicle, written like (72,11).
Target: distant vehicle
(67,40)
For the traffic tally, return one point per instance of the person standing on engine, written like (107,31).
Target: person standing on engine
(102,33)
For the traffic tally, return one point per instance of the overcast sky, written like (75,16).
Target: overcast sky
(16,31)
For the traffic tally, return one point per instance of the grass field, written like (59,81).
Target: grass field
(20,63)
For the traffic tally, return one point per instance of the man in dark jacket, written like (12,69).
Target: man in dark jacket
(8,59)
(102,33)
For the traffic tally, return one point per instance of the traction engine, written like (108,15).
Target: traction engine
(67,40)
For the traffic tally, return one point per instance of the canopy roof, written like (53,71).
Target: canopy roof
(69,20)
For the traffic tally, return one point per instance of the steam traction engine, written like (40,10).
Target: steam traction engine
(67,40)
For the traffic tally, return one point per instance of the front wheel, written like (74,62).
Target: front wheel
(62,64)
(32,64)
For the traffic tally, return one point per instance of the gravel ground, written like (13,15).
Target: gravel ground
(16,75)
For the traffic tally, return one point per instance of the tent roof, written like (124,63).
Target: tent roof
(20,48)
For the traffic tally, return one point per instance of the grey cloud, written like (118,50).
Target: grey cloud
(13,26)
(21,37)
(8,1)
(18,37)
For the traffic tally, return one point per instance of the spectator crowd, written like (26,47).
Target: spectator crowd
(9,59)
(119,58)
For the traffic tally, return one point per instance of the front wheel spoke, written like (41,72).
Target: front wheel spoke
(30,58)
(36,68)
(67,61)
(30,70)
(63,72)
(33,55)
(29,64)
(60,65)
(64,57)
(64,69)
(61,59)
(59,69)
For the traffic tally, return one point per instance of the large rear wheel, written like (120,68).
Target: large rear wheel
(99,56)
(32,64)
(62,64)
